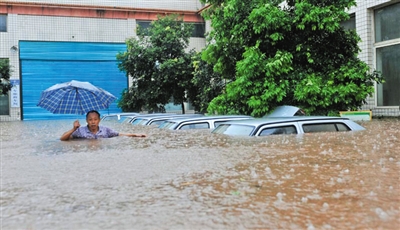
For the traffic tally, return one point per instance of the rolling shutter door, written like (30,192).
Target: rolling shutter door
(44,64)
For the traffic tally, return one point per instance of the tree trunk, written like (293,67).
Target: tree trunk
(183,107)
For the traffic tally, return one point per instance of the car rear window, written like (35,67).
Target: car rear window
(291,129)
(234,129)
(325,127)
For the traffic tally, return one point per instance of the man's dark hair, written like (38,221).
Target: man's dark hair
(93,111)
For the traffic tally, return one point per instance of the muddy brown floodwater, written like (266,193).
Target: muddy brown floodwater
(196,180)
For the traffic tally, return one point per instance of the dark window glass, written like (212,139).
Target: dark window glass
(3,23)
(342,127)
(325,127)
(388,62)
(279,130)
(198,28)
(350,24)
(5,104)
(387,23)
(203,125)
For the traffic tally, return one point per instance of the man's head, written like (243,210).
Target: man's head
(93,120)
(92,112)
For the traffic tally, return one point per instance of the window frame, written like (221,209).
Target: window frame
(145,24)
(284,124)
(335,123)
(376,46)
(185,124)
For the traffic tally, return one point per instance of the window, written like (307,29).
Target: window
(143,25)
(388,54)
(387,23)
(325,127)
(279,130)
(5,104)
(234,129)
(203,125)
(388,62)
(3,23)
(350,24)
(198,28)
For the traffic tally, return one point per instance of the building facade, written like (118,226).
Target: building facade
(377,24)
(47,40)
(53,41)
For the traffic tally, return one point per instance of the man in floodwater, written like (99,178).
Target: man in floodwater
(93,130)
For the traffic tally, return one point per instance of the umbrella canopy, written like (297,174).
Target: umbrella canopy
(75,97)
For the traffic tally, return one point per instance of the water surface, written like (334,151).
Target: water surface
(196,180)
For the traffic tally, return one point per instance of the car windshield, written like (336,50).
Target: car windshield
(234,129)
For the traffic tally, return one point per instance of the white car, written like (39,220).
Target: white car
(287,125)
(206,122)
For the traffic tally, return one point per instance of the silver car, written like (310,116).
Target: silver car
(206,122)
(287,125)
(118,116)
(157,120)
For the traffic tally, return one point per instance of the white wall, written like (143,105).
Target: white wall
(192,5)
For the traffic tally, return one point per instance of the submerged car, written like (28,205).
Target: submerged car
(206,122)
(118,116)
(287,125)
(157,120)
(136,119)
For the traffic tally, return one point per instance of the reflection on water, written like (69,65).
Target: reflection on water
(195,180)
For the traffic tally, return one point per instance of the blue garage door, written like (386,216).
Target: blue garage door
(44,64)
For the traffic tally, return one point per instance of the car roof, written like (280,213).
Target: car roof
(271,120)
(175,116)
(214,117)
(151,115)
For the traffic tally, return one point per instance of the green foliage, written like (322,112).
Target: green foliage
(207,84)
(295,54)
(5,74)
(158,65)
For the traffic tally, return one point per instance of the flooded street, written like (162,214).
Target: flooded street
(196,180)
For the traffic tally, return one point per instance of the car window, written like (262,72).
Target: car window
(136,121)
(291,129)
(166,125)
(143,121)
(108,118)
(159,122)
(216,123)
(234,129)
(203,125)
(342,127)
(325,127)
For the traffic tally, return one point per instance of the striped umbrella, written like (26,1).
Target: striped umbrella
(75,97)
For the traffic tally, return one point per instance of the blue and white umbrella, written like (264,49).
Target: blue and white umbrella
(75,97)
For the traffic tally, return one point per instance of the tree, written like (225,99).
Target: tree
(207,84)
(5,73)
(294,52)
(160,67)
